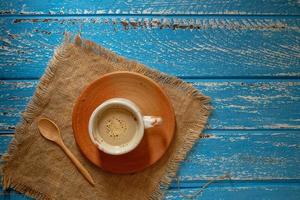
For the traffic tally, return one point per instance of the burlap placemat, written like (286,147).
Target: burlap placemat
(40,169)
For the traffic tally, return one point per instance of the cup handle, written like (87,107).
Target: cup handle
(150,121)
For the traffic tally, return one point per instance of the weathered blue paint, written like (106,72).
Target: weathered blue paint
(159,7)
(271,155)
(202,47)
(238,104)
(235,191)
(243,54)
(19,93)
(245,155)
(229,192)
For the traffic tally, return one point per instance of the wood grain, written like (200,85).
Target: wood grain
(20,93)
(218,191)
(272,155)
(203,47)
(233,190)
(240,50)
(158,7)
(245,155)
(238,104)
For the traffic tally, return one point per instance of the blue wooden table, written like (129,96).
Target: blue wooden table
(244,54)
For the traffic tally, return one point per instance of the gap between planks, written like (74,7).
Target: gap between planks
(85,16)
(153,15)
(234,183)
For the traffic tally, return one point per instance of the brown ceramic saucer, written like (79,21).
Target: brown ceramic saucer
(149,97)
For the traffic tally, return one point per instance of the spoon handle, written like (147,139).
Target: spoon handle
(79,166)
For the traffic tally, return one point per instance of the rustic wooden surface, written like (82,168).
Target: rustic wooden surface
(244,54)
(185,46)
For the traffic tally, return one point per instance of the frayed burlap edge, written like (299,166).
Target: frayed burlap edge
(41,98)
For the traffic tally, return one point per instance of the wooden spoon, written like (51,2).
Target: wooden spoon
(50,131)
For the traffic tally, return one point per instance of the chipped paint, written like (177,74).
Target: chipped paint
(18,85)
(215,137)
(175,24)
(267,99)
(284,144)
(7,12)
(255,155)
(257,107)
(282,126)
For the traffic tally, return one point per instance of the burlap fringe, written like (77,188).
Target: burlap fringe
(41,97)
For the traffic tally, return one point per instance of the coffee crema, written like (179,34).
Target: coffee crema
(115,126)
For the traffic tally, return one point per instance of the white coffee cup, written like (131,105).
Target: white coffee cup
(142,122)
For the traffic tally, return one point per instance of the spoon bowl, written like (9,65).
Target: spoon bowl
(49,129)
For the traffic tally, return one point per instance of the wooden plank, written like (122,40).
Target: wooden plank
(205,47)
(235,191)
(253,104)
(232,191)
(238,104)
(14,96)
(245,155)
(159,7)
